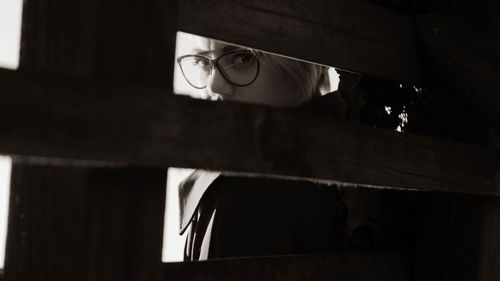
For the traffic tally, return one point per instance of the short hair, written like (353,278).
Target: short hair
(312,79)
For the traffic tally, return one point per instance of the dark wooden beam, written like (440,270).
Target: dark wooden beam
(457,238)
(457,234)
(366,266)
(57,119)
(489,248)
(127,40)
(465,60)
(72,223)
(350,35)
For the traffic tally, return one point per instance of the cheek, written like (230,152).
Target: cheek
(275,88)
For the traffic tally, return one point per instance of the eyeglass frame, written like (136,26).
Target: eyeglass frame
(214,63)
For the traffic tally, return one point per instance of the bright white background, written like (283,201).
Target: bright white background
(5,165)
(10,33)
(173,243)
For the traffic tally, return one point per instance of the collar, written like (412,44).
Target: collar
(191,190)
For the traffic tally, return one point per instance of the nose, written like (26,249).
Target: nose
(217,85)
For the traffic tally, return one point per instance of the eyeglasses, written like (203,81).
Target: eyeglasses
(239,68)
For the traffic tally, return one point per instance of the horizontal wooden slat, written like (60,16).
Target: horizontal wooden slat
(351,35)
(133,125)
(366,266)
(465,60)
(122,40)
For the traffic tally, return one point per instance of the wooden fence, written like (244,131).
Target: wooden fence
(92,125)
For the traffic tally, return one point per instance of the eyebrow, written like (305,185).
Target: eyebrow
(201,52)
(224,49)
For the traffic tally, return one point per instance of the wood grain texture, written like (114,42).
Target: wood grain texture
(489,253)
(461,247)
(76,223)
(457,238)
(365,266)
(432,214)
(130,124)
(465,60)
(350,35)
(480,15)
(128,40)
(85,224)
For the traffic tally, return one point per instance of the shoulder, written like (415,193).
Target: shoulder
(330,105)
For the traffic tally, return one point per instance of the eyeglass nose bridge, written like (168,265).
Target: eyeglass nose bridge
(214,63)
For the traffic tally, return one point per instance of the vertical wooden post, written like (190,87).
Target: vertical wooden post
(85,224)
(489,248)
(457,238)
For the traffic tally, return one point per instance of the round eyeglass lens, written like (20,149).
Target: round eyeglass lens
(240,68)
(196,70)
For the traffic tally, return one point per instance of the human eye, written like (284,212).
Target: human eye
(199,61)
(248,57)
(242,58)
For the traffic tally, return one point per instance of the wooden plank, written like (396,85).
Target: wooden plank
(85,224)
(457,238)
(461,248)
(465,60)
(350,35)
(489,248)
(479,15)
(125,40)
(458,234)
(432,212)
(131,124)
(75,223)
(366,266)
